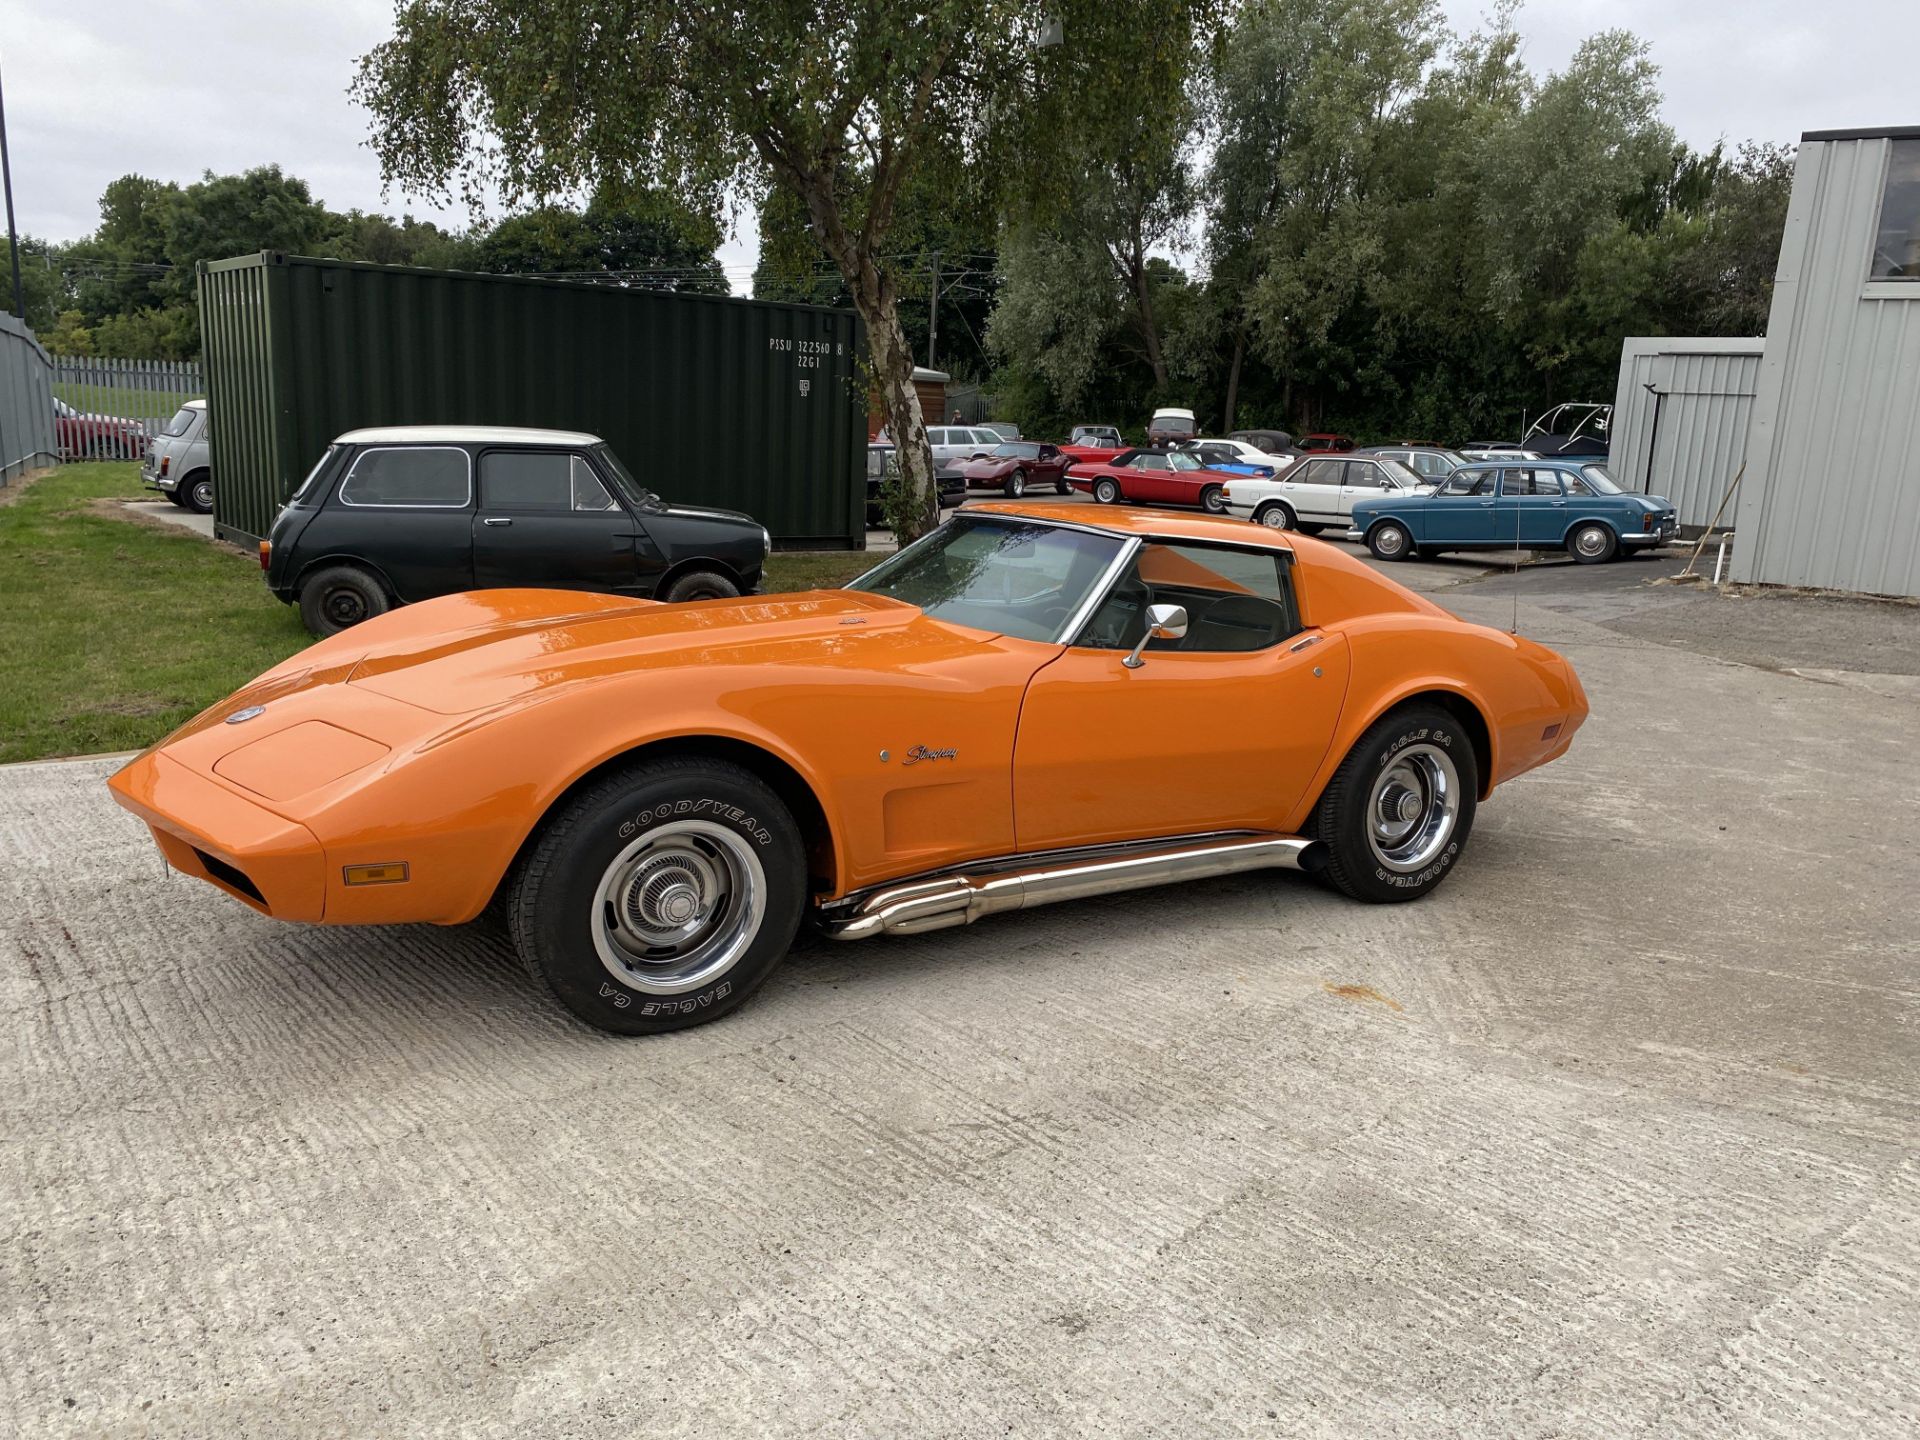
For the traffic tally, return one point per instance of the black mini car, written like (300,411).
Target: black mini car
(394,515)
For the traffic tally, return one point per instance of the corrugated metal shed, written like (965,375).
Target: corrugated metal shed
(1832,492)
(1686,435)
(27,438)
(740,404)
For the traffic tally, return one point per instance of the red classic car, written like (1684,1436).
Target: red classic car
(1018,467)
(1322,441)
(96,437)
(1154,477)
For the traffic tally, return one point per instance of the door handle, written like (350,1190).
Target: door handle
(496,520)
(1487,503)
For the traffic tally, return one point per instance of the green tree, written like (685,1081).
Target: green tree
(840,105)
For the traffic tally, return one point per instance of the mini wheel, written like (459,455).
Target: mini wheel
(700,585)
(340,597)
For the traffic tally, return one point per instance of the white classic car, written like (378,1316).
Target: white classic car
(1319,491)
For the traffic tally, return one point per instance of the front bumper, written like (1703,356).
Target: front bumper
(271,863)
(1356,535)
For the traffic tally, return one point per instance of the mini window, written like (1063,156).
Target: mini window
(415,477)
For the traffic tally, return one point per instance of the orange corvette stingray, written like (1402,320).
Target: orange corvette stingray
(1033,703)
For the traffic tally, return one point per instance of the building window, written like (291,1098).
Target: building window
(1896,239)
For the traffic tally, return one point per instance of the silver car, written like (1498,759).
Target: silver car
(960,442)
(177,463)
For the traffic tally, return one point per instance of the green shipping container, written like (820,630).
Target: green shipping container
(738,404)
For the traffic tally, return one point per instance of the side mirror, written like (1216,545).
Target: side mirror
(1164,622)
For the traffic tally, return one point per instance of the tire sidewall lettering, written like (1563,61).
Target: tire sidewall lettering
(725,810)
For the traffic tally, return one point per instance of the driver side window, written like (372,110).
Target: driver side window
(1469,482)
(1236,600)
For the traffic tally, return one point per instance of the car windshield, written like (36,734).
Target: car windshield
(1017,452)
(1173,424)
(1600,480)
(180,423)
(1000,574)
(1401,472)
(635,490)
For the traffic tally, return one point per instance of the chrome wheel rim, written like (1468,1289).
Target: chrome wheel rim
(1214,501)
(1413,807)
(1391,540)
(678,907)
(1274,517)
(1590,541)
(1106,491)
(203,494)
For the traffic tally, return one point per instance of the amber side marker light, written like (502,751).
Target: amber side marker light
(392,873)
(266,553)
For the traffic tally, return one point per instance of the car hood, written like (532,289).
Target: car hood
(987,466)
(492,648)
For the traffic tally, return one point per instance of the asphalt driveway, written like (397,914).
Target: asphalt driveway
(1613,1135)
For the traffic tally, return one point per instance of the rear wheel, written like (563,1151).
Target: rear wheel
(1016,484)
(700,585)
(1398,811)
(1106,491)
(340,597)
(1592,543)
(1213,500)
(1062,485)
(1275,516)
(661,896)
(1389,540)
(198,493)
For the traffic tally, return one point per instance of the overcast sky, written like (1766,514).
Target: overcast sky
(169,88)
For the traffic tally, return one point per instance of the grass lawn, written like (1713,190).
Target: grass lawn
(113,632)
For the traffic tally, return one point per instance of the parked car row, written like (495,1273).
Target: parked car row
(96,437)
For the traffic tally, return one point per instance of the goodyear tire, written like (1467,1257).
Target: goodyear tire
(340,597)
(700,585)
(1398,811)
(660,896)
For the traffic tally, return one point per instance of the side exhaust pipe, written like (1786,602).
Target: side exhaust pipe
(915,907)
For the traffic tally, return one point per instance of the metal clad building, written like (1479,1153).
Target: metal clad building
(1680,420)
(27,438)
(740,404)
(1832,491)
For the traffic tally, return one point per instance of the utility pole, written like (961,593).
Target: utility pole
(933,312)
(6,179)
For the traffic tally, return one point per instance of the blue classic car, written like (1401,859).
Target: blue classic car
(1569,504)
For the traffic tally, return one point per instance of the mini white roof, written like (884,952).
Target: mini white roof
(194,405)
(464,435)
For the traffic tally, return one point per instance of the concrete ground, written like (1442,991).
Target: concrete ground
(172,514)
(1613,1135)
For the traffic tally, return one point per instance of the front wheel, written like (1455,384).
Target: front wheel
(1398,811)
(1016,484)
(1592,543)
(1213,500)
(700,585)
(1106,492)
(1389,540)
(660,896)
